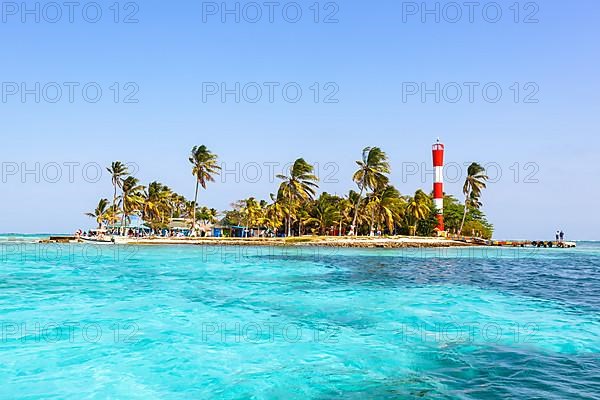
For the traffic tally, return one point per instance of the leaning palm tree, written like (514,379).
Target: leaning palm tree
(371,174)
(101,213)
(297,187)
(204,168)
(117,171)
(474,184)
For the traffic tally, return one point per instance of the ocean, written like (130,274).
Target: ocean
(182,322)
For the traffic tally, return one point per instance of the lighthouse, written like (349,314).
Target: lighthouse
(438,182)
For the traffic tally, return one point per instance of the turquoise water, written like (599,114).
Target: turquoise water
(197,322)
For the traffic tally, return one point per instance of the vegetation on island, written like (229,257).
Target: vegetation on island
(295,209)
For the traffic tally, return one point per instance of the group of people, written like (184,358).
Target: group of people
(560,236)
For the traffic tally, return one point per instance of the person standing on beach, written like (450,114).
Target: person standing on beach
(557,235)
(562,236)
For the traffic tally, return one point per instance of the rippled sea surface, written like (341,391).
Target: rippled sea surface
(209,322)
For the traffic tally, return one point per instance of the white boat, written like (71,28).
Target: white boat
(108,239)
(98,240)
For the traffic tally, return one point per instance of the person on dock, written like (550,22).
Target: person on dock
(562,236)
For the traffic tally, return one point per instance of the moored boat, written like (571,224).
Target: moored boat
(100,240)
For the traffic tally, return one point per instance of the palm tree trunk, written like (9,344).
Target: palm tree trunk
(464,214)
(371,223)
(194,210)
(289,218)
(123,218)
(356,209)
(115,200)
(123,222)
(114,217)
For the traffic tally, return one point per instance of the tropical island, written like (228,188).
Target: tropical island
(376,214)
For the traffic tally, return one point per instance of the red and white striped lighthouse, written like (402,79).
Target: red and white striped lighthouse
(438,182)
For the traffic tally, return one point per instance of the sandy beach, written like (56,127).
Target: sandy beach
(324,241)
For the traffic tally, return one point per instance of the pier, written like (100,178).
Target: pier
(534,243)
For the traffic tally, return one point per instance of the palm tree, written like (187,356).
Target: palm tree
(117,171)
(274,214)
(253,213)
(388,207)
(371,206)
(474,184)
(208,215)
(326,212)
(132,198)
(417,208)
(157,205)
(344,208)
(188,209)
(297,187)
(176,204)
(205,167)
(371,174)
(304,218)
(101,213)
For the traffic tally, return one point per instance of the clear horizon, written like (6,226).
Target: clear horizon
(146,89)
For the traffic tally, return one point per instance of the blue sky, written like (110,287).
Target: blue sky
(369,59)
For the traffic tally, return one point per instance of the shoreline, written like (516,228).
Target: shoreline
(303,241)
(365,242)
